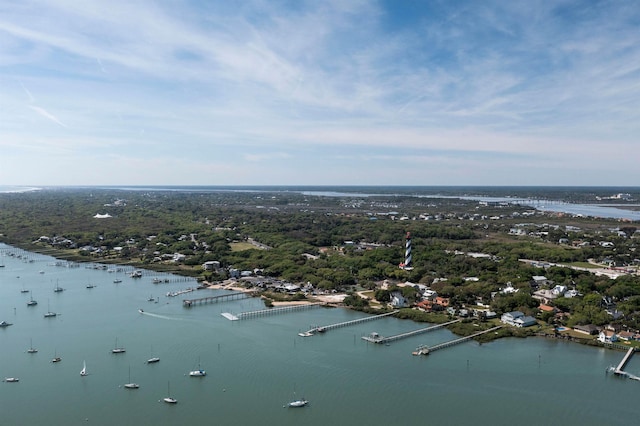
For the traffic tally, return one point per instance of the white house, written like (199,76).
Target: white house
(607,336)
(510,317)
(398,300)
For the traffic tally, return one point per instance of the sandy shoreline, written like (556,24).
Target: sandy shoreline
(233,286)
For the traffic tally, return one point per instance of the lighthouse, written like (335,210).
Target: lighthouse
(406,265)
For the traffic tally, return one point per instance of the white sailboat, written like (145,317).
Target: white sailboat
(297,402)
(118,350)
(83,372)
(56,358)
(169,399)
(153,359)
(130,384)
(31,302)
(31,349)
(49,314)
(199,372)
(57,288)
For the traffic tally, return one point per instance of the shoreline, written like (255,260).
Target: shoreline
(330,300)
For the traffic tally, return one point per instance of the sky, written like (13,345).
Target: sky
(303,92)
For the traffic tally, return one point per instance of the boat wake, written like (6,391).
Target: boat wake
(161,316)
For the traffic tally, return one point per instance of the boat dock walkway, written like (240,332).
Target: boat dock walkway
(187,303)
(425,350)
(619,370)
(376,338)
(272,311)
(323,328)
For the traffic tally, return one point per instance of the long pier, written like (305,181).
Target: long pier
(187,303)
(271,311)
(375,338)
(619,370)
(323,328)
(426,350)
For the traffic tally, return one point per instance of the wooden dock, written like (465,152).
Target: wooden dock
(376,338)
(619,370)
(426,350)
(187,303)
(271,311)
(323,328)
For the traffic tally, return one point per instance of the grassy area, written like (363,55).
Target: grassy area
(241,246)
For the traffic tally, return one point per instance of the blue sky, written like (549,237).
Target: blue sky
(319,92)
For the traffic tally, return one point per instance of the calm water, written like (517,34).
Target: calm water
(254,366)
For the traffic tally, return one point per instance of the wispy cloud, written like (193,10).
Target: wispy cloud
(46,114)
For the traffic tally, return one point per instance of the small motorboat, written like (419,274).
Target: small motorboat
(11,379)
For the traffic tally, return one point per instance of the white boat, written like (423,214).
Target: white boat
(57,288)
(117,281)
(83,372)
(31,349)
(116,349)
(49,314)
(131,385)
(90,285)
(5,324)
(169,399)
(31,302)
(199,372)
(11,379)
(56,358)
(298,403)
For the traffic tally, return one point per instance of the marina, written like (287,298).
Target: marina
(508,371)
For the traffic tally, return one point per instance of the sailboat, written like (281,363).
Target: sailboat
(32,302)
(49,314)
(118,350)
(31,349)
(24,290)
(83,372)
(57,288)
(153,359)
(297,402)
(168,399)
(131,385)
(199,372)
(56,358)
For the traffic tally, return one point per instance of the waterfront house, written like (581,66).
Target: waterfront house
(589,329)
(626,335)
(607,336)
(510,317)
(525,321)
(398,300)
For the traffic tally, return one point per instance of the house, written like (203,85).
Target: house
(607,336)
(398,300)
(518,319)
(211,265)
(442,301)
(589,329)
(626,335)
(547,308)
(510,317)
(539,280)
(525,321)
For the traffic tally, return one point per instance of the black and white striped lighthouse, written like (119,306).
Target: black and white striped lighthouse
(407,253)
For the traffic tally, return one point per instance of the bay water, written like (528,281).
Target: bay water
(256,366)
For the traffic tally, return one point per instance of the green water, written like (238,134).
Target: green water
(255,366)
